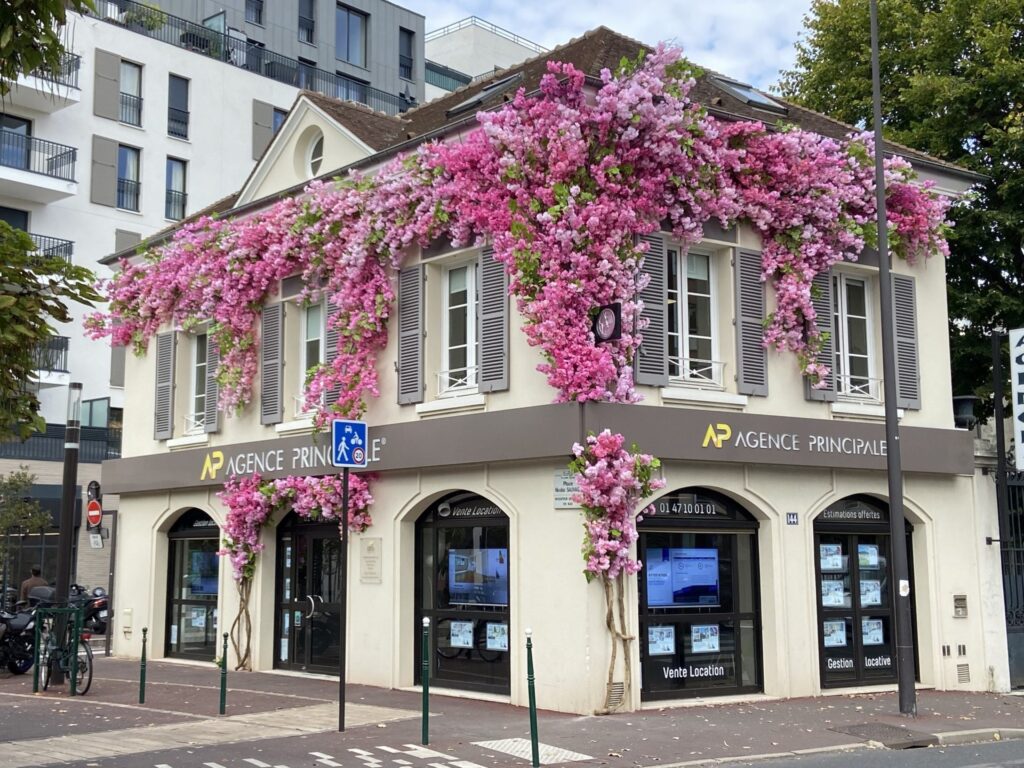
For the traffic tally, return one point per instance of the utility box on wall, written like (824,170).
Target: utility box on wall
(959,606)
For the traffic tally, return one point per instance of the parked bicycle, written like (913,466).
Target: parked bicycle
(70,658)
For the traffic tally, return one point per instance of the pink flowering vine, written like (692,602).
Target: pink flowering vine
(612,481)
(561,183)
(251,502)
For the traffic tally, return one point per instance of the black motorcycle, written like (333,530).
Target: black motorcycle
(17,636)
(95,605)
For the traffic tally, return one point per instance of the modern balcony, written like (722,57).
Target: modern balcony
(36,169)
(128,194)
(48,90)
(51,362)
(236,51)
(444,77)
(96,444)
(53,247)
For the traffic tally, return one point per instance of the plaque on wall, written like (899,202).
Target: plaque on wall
(370,563)
(565,487)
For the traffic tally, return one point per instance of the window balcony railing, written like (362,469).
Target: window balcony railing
(174,205)
(177,123)
(95,444)
(405,67)
(128,194)
(307,30)
(53,247)
(195,423)
(690,371)
(459,381)
(254,11)
(28,153)
(858,389)
(445,77)
(65,73)
(238,52)
(131,109)
(52,355)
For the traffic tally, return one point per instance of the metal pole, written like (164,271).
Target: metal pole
(897,534)
(110,581)
(224,676)
(37,631)
(425,680)
(343,602)
(534,745)
(75,634)
(1002,503)
(142,669)
(65,545)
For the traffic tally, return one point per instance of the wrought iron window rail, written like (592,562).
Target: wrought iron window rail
(66,72)
(27,153)
(159,25)
(177,123)
(405,66)
(52,355)
(128,194)
(131,109)
(174,204)
(53,246)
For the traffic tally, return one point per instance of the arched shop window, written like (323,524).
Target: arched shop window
(462,586)
(192,587)
(856,622)
(700,614)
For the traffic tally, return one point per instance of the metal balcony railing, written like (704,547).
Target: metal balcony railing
(52,355)
(28,153)
(65,73)
(405,66)
(177,123)
(858,389)
(131,109)
(158,25)
(254,11)
(174,205)
(128,194)
(96,444)
(475,21)
(445,77)
(53,246)
(694,372)
(457,381)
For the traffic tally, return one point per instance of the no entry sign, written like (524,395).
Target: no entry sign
(94,513)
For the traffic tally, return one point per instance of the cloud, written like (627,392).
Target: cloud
(750,40)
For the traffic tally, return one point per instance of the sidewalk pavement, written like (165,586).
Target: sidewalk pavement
(181,710)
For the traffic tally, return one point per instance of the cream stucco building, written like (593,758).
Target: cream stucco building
(767,563)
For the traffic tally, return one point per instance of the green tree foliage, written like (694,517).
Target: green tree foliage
(953,86)
(32,36)
(35,290)
(19,514)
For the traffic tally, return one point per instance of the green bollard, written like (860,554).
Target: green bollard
(224,676)
(35,655)
(534,745)
(142,669)
(76,634)
(425,679)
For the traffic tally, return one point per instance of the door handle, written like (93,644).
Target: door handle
(312,607)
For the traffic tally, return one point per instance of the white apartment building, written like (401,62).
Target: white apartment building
(151,118)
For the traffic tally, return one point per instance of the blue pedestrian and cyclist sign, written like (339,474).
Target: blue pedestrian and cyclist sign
(349,443)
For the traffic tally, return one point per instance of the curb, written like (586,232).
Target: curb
(769,755)
(952,738)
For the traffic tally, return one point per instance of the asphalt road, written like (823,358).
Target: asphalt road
(1001,754)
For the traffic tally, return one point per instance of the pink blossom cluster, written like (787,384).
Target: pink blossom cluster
(562,183)
(612,481)
(251,503)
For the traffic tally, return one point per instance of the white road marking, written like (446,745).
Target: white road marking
(325,759)
(521,748)
(257,763)
(213,765)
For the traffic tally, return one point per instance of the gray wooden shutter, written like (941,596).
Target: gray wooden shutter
(163,411)
(106,100)
(751,356)
(823,302)
(492,323)
(103,182)
(271,364)
(124,239)
(652,356)
(908,371)
(410,335)
(331,338)
(210,418)
(262,127)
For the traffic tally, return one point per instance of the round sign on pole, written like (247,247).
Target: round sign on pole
(94,513)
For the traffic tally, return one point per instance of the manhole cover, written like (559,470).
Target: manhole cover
(890,736)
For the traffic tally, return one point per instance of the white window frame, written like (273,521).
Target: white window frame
(304,365)
(195,420)
(706,374)
(869,390)
(470,385)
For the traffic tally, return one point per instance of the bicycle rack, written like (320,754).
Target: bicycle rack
(74,633)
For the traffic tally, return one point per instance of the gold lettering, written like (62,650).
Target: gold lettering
(211,465)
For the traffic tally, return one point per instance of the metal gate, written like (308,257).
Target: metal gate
(1012,546)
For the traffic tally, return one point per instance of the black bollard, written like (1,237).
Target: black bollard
(142,669)
(224,676)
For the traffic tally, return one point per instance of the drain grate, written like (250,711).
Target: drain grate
(889,736)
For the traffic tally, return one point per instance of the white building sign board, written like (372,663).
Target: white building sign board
(565,487)
(1017,393)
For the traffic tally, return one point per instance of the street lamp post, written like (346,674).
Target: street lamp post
(65,542)
(904,630)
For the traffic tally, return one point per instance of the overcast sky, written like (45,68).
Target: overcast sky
(750,40)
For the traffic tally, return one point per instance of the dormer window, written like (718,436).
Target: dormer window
(749,95)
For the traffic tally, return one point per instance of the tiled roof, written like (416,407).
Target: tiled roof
(375,129)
